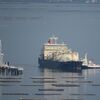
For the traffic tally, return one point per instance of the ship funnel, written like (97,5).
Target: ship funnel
(53,40)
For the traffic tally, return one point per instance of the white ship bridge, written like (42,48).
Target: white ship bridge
(60,52)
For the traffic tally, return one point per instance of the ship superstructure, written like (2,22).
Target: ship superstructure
(56,54)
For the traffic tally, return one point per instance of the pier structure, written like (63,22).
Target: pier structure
(7,69)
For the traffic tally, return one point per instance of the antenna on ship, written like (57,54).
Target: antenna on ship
(55,39)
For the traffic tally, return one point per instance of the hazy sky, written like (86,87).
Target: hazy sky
(25,27)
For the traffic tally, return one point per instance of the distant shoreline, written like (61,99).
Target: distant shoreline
(52,1)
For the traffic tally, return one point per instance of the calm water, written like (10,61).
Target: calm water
(46,84)
(24,27)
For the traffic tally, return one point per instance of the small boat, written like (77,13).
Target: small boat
(93,65)
(89,64)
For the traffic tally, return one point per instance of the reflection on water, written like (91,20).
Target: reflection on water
(48,84)
(76,85)
(60,69)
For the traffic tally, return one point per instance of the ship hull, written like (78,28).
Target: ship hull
(69,65)
(91,67)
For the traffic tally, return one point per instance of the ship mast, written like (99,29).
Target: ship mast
(85,60)
(0,47)
(1,54)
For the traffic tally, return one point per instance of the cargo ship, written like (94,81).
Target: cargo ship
(59,56)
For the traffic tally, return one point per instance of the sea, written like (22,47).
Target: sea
(25,26)
(46,84)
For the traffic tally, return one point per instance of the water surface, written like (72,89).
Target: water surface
(24,27)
